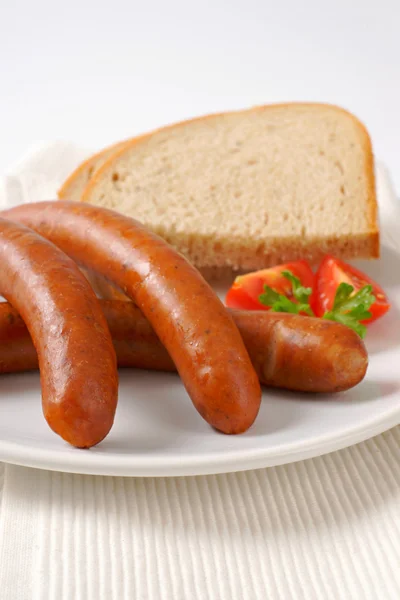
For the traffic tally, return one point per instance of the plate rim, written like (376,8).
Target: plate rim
(207,464)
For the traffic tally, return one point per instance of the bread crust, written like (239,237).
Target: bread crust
(86,165)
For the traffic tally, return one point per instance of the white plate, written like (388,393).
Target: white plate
(158,432)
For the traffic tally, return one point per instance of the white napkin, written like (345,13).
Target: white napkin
(325,528)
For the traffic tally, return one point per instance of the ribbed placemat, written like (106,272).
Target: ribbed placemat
(1,482)
(325,528)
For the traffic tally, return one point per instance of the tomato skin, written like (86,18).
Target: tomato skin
(237,298)
(246,289)
(332,272)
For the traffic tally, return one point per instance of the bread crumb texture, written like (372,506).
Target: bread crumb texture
(250,189)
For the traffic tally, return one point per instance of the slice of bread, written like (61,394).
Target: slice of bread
(250,189)
(73,187)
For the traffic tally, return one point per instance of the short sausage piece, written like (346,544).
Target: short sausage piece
(302,353)
(187,316)
(287,351)
(77,360)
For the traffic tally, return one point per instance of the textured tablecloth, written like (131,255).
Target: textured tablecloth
(325,528)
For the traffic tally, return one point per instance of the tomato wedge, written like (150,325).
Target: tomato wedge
(246,289)
(333,271)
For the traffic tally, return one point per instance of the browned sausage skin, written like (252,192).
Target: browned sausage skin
(287,351)
(302,353)
(187,316)
(76,357)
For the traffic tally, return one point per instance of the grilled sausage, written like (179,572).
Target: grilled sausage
(287,351)
(302,353)
(77,360)
(187,316)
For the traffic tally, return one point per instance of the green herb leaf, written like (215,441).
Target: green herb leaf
(302,294)
(348,320)
(285,305)
(269,297)
(343,292)
(281,303)
(349,309)
(345,301)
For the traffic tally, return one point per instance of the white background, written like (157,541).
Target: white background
(96,71)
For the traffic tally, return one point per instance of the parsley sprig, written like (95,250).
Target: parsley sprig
(280,302)
(349,308)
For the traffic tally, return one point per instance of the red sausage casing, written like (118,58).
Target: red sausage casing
(287,351)
(77,360)
(187,316)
